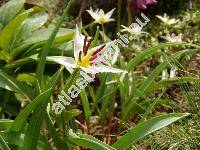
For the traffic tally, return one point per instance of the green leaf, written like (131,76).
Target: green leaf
(3,143)
(68,115)
(9,10)
(95,40)
(21,62)
(9,33)
(22,117)
(57,140)
(167,82)
(150,51)
(54,78)
(145,85)
(45,51)
(145,128)
(14,138)
(34,22)
(12,84)
(86,105)
(5,124)
(40,37)
(90,142)
(33,129)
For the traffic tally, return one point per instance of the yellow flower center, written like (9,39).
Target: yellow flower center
(84,61)
(102,20)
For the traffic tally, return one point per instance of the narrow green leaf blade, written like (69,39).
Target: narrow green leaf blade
(3,143)
(145,128)
(22,117)
(150,51)
(90,142)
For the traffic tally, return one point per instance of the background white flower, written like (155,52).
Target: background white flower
(100,17)
(173,37)
(135,29)
(167,20)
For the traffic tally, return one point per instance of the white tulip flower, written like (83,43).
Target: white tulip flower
(85,58)
(100,17)
(173,38)
(167,20)
(134,29)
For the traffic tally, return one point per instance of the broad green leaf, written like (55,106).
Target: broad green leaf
(5,124)
(12,84)
(150,51)
(9,33)
(145,128)
(22,117)
(41,36)
(90,142)
(9,10)
(34,22)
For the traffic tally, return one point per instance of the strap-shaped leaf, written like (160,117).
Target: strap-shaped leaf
(22,117)
(145,128)
(90,142)
(150,51)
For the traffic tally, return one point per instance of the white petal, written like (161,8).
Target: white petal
(109,14)
(160,17)
(89,70)
(103,68)
(78,43)
(109,20)
(66,61)
(94,14)
(101,13)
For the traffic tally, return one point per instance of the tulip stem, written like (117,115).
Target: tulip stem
(87,26)
(104,37)
(119,5)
